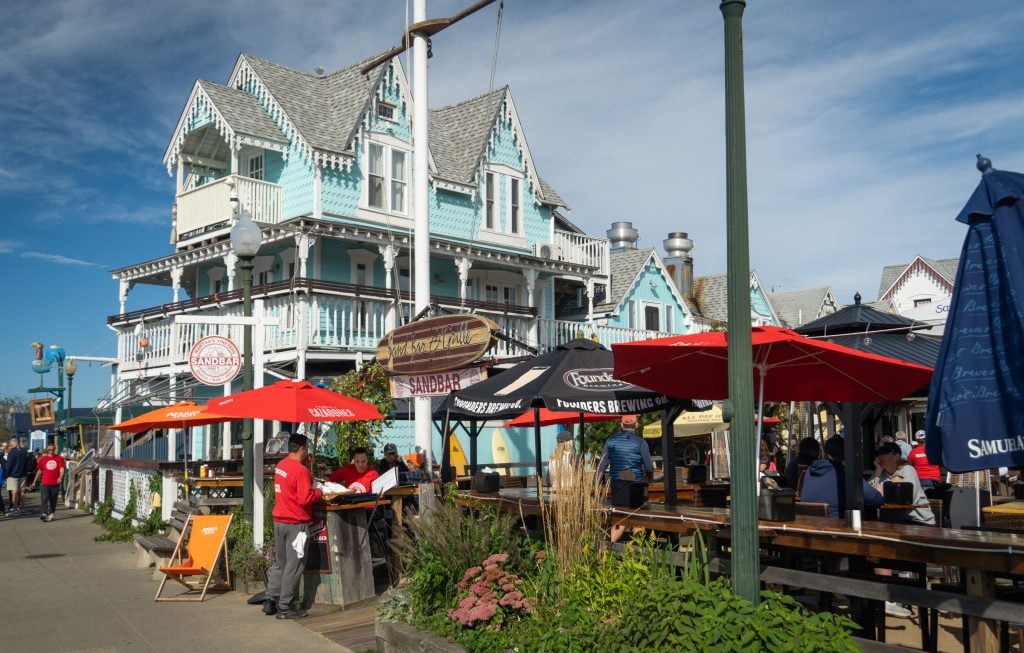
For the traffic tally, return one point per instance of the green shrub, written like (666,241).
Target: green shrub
(447,541)
(118,530)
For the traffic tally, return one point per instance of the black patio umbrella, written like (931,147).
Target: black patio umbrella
(975,417)
(575,376)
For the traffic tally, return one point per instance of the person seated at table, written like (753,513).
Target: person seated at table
(890,467)
(929,474)
(825,481)
(357,475)
(808,451)
(562,463)
(392,459)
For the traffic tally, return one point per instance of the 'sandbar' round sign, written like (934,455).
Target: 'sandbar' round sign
(214,360)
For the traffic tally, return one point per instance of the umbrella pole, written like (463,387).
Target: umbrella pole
(583,450)
(446,451)
(474,435)
(536,443)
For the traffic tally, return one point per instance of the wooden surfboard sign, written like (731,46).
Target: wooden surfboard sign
(499,450)
(457,455)
(436,344)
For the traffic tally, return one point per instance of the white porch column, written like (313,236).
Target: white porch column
(259,357)
(530,276)
(318,208)
(176,273)
(302,244)
(590,301)
(179,177)
(172,434)
(463,265)
(231,261)
(123,288)
(388,254)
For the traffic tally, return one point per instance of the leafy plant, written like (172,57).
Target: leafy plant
(369,383)
(118,530)
(446,541)
(247,560)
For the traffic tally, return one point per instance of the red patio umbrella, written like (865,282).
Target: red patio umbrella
(787,367)
(295,402)
(549,417)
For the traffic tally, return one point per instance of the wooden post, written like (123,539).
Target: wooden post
(983,634)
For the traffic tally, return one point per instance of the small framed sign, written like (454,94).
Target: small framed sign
(41,411)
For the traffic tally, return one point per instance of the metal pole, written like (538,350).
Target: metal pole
(246,265)
(740,405)
(421,263)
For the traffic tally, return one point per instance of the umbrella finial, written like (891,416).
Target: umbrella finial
(984,165)
(856,298)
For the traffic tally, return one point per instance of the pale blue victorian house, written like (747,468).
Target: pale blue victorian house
(323,163)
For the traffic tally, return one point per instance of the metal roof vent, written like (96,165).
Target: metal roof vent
(622,235)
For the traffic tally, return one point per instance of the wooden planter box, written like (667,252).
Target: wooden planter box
(397,637)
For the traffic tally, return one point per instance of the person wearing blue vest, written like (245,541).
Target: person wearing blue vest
(627,458)
(625,451)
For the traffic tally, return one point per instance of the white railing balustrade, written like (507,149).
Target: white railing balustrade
(582,249)
(210,204)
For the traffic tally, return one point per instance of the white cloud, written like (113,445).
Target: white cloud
(58,259)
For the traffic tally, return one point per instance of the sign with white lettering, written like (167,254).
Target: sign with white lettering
(436,344)
(214,360)
(431,385)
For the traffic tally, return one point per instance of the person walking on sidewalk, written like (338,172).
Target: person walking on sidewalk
(17,470)
(51,470)
(295,494)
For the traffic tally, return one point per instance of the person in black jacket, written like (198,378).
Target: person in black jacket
(17,470)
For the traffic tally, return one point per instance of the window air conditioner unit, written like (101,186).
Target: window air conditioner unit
(546,251)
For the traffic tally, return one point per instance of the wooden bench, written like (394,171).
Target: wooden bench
(156,550)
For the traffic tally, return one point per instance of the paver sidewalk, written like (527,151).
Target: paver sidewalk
(63,591)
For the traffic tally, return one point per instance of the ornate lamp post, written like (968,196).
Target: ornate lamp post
(245,241)
(70,368)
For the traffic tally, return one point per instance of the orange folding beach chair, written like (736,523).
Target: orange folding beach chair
(206,537)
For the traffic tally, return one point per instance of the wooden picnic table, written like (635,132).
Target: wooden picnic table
(983,555)
(694,494)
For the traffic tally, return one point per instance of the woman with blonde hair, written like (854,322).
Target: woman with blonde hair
(562,462)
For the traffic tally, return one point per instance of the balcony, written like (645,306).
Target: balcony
(207,207)
(582,249)
(322,316)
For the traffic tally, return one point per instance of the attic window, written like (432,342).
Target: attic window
(385,111)
(922,302)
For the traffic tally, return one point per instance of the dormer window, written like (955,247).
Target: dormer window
(256,167)
(386,111)
(515,200)
(490,217)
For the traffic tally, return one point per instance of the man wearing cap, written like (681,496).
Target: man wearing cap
(625,451)
(825,481)
(890,466)
(627,457)
(391,459)
(295,496)
(929,474)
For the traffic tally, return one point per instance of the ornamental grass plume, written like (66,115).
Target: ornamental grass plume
(574,516)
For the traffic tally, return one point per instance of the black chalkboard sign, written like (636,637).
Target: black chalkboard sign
(318,550)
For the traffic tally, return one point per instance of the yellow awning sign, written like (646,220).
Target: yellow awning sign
(691,423)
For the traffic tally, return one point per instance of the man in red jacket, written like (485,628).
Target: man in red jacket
(929,474)
(293,488)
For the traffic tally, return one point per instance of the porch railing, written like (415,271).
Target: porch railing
(201,208)
(330,316)
(582,249)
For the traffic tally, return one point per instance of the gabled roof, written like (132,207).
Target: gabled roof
(798,306)
(623,268)
(710,294)
(944,268)
(242,112)
(460,133)
(711,297)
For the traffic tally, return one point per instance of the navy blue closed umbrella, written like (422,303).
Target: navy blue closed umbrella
(975,414)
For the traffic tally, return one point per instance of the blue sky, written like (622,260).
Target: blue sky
(863,120)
